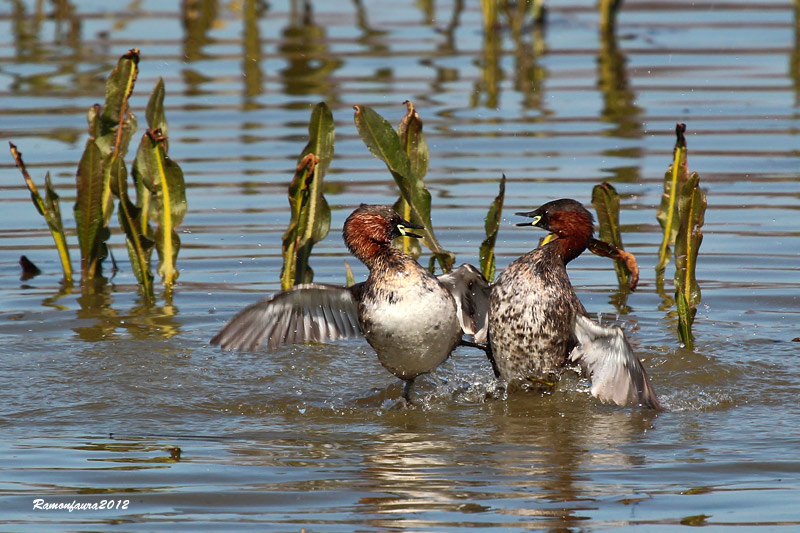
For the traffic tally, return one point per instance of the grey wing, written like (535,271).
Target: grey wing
(308,312)
(471,293)
(607,358)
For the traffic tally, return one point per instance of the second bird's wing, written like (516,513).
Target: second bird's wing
(607,358)
(471,292)
(308,312)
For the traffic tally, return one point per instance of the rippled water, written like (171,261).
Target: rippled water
(104,398)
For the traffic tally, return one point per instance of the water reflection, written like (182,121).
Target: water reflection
(96,309)
(538,449)
(619,106)
(310,64)
(198,18)
(252,11)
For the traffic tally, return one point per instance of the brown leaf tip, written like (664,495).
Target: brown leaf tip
(680,129)
(133,55)
(156,135)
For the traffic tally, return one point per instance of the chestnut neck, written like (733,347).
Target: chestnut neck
(368,237)
(574,232)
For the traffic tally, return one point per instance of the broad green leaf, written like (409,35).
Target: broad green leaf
(492,226)
(687,244)
(416,147)
(140,248)
(54,221)
(116,123)
(674,179)
(119,87)
(164,179)
(89,210)
(310,214)
(413,139)
(605,200)
(321,136)
(292,238)
(685,319)
(156,119)
(384,143)
(50,209)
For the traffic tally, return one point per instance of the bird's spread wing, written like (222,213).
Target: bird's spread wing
(308,312)
(607,358)
(471,292)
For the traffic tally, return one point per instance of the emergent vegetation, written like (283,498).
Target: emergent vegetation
(102,176)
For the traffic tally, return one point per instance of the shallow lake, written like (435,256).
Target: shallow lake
(103,397)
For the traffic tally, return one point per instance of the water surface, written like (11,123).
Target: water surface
(106,398)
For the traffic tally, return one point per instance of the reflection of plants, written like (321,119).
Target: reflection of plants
(102,176)
(527,75)
(304,49)
(619,100)
(681,215)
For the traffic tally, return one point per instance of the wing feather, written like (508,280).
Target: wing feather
(471,293)
(607,358)
(309,312)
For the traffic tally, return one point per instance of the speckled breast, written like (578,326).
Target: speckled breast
(530,317)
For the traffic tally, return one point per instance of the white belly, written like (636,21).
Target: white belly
(414,334)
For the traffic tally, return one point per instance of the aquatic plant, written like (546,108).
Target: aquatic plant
(413,140)
(492,226)
(102,176)
(605,201)
(385,143)
(49,208)
(681,215)
(161,196)
(310,214)
(690,235)
(675,178)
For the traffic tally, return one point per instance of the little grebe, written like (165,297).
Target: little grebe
(411,318)
(537,323)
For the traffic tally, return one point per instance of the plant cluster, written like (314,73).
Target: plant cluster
(102,177)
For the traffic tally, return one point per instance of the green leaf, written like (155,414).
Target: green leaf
(350,280)
(310,214)
(156,119)
(384,143)
(413,139)
(164,179)
(605,200)
(54,221)
(685,319)
(321,136)
(88,209)
(140,247)
(292,237)
(687,244)
(676,176)
(50,209)
(492,226)
(119,87)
